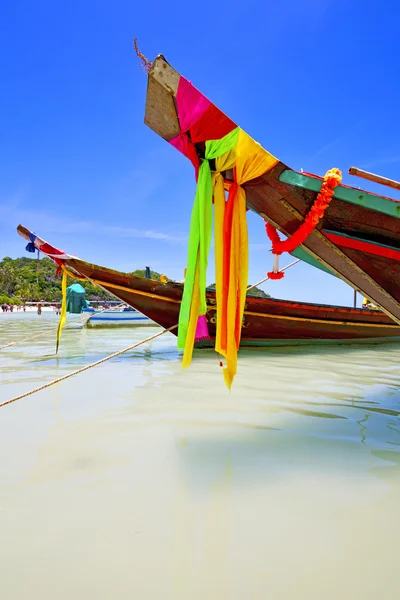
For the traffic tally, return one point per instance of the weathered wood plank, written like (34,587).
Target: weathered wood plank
(161,114)
(166,76)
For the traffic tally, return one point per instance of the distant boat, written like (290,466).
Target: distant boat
(126,316)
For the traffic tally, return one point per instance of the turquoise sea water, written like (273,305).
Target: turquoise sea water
(139,480)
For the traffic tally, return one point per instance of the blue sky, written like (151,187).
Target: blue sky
(315,82)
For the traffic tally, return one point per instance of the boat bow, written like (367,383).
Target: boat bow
(280,195)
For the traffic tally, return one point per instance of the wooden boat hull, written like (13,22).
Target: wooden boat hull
(285,197)
(267,321)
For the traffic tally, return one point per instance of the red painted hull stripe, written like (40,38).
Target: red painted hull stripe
(363,246)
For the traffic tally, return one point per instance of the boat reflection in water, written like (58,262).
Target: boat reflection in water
(91,317)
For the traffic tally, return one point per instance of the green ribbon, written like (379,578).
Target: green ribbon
(200,232)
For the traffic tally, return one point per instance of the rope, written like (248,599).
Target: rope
(112,309)
(28,338)
(98,362)
(222,358)
(33,337)
(266,278)
(145,63)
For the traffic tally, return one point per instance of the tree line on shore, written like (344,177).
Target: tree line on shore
(32,280)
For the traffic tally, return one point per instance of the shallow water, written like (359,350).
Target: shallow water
(138,480)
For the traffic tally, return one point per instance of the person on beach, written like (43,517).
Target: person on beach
(39,309)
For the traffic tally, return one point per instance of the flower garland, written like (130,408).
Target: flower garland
(332,178)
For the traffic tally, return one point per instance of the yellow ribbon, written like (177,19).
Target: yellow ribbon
(194,313)
(63,315)
(250,161)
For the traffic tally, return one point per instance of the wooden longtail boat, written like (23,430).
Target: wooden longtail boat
(358,238)
(266,322)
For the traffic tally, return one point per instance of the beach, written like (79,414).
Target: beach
(28,309)
(138,479)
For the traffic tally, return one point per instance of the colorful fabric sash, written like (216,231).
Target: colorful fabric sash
(233,150)
(63,315)
(199,245)
(248,161)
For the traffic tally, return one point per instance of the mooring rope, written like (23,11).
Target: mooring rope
(28,338)
(98,362)
(267,278)
(33,337)
(99,312)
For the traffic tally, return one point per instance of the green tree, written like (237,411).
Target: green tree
(142,273)
(34,280)
(254,292)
